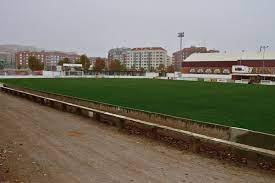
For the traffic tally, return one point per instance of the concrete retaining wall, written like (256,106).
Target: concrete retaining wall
(213,130)
(252,138)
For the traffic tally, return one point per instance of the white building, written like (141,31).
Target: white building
(169,61)
(147,58)
(118,54)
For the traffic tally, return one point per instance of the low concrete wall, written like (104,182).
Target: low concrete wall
(210,76)
(56,75)
(225,150)
(256,139)
(232,134)
(52,74)
(210,129)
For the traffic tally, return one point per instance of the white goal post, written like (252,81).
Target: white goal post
(73,70)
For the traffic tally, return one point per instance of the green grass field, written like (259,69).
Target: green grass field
(245,106)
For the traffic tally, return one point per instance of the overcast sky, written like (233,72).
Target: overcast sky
(95,26)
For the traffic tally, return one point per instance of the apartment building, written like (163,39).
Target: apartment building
(49,59)
(180,56)
(94,59)
(169,61)
(118,54)
(6,60)
(147,58)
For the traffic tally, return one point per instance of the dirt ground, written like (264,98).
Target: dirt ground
(40,144)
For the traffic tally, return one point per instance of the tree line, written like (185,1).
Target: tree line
(99,65)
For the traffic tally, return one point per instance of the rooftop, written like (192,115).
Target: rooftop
(148,48)
(208,57)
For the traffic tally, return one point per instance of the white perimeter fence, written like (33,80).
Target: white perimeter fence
(170,76)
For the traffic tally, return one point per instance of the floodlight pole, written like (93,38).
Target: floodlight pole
(181,36)
(242,54)
(264,50)
(52,68)
(242,57)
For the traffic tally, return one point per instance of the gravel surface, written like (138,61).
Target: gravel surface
(40,144)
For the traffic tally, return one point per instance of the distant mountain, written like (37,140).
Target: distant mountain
(12,48)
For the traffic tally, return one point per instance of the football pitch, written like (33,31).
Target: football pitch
(245,106)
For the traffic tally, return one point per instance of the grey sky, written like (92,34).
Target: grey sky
(95,26)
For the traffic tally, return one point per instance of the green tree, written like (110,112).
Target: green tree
(2,64)
(161,68)
(85,61)
(35,64)
(123,68)
(99,65)
(171,69)
(64,61)
(152,69)
(115,65)
(77,61)
(133,68)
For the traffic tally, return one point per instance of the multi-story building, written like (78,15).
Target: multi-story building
(52,59)
(49,59)
(94,59)
(169,61)
(6,60)
(248,63)
(10,51)
(180,56)
(118,54)
(148,58)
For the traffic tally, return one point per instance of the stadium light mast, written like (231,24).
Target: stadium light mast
(181,36)
(264,50)
(242,55)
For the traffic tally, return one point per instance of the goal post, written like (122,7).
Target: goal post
(73,70)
